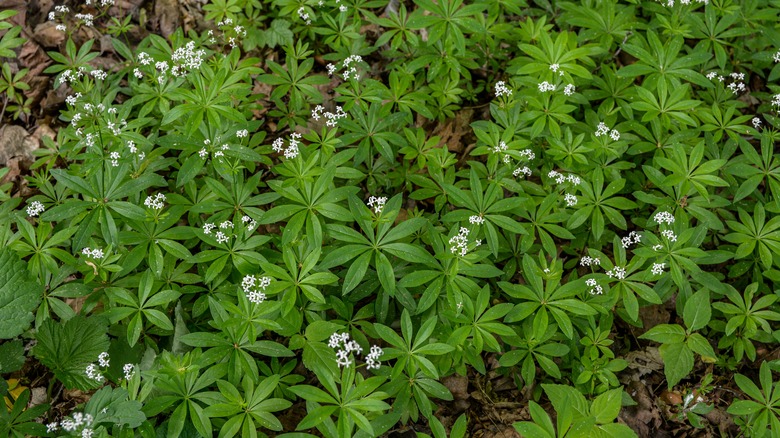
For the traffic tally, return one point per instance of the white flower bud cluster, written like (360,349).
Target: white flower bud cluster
(476,220)
(569,90)
(218,154)
(35,208)
(291,151)
(96,253)
(377,203)
(595,288)
(664,217)
(129,370)
(345,346)
(72,424)
(304,15)
(155,202)
(460,242)
(590,261)
(632,238)
(94,371)
(251,224)
(255,287)
(546,86)
(502,89)
(332,119)
(603,129)
(617,272)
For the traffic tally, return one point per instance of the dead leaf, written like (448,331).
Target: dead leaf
(47,35)
(169,16)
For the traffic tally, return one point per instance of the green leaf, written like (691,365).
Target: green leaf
(68,348)
(698,310)
(19,295)
(678,362)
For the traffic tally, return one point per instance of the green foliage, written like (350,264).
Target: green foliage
(303,217)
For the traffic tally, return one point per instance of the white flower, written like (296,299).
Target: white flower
(664,217)
(756,122)
(242,133)
(87,433)
(617,272)
(221,237)
(522,171)
(459,242)
(657,247)
(614,135)
(502,89)
(601,129)
(658,268)
(254,288)
(92,253)
(633,237)
(226,224)
(155,202)
(669,234)
(343,8)
(103,359)
(51,427)
(569,90)
(588,261)
(129,370)
(331,69)
(342,358)
(93,373)
(35,208)
(207,227)
(378,203)
(570,199)
(554,67)
(595,289)
(546,86)
(476,220)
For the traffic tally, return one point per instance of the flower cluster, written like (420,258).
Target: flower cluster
(501,149)
(502,89)
(96,253)
(569,90)
(595,288)
(304,15)
(129,370)
(93,371)
(460,242)
(291,150)
(345,346)
(603,129)
(658,268)
(255,287)
(664,217)
(617,272)
(737,85)
(570,199)
(331,119)
(155,202)
(632,238)
(350,71)
(756,122)
(251,224)
(589,261)
(219,153)
(670,3)
(669,234)
(476,220)
(35,208)
(561,178)
(377,203)
(220,235)
(546,86)
(72,424)
(243,133)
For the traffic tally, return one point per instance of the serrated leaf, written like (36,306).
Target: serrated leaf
(19,295)
(68,348)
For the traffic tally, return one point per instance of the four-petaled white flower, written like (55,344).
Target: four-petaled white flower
(35,208)
(377,203)
(658,268)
